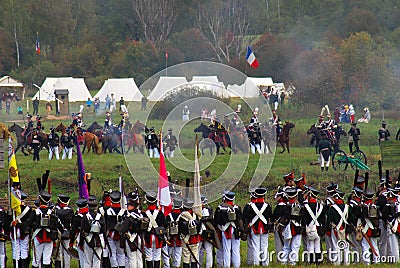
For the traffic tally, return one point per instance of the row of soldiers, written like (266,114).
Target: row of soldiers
(116,234)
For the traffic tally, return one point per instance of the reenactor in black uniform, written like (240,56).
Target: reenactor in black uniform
(175,243)
(257,217)
(114,215)
(152,143)
(279,219)
(370,231)
(67,143)
(209,236)
(36,144)
(131,230)
(313,220)
(254,134)
(329,201)
(5,221)
(93,232)
(54,143)
(339,215)
(355,133)
(301,188)
(189,227)
(292,232)
(45,230)
(76,232)
(154,235)
(229,220)
(390,216)
(171,142)
(28,129)
(65,213)
(355,207)
(289,180)
(20,234)
(39,125)
(381,200)
(383,133)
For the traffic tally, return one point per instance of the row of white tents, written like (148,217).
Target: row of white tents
(127,88)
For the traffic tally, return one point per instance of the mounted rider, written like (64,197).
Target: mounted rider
(28,129)
(276,123)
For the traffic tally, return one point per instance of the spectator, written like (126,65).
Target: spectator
(8,106)
(186,112)
(121,102)
(35,105)
(89,103)
(108,102)
(19,110)
(336,115)
(283,95)
(96,105)
(144,103)
(352,113)
(113,103)
(49,108)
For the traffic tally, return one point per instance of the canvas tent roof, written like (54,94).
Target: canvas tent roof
(251,87)
(165,85)
(7,81)
(210,83)
(77,88)
(120,87)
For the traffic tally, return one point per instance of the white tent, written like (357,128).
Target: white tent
(251,87)
(210,83)
(10,83)
(77,89)
(120,87)
(165,85)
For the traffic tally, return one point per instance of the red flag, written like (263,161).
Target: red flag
(164,197)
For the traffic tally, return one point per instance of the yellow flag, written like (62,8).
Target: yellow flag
(15,197)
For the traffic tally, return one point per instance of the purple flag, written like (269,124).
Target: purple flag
(82,186)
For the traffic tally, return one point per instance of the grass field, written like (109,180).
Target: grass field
(105,168)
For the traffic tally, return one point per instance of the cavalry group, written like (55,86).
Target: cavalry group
(122,231)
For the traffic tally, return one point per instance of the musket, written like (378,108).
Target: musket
(387,175)
(356,174)
(366,180)
(380,169)
(190,250)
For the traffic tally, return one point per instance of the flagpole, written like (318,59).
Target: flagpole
(9,191)
(166,63)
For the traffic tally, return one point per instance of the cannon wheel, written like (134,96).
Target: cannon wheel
(339,160)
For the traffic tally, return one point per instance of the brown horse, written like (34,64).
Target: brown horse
(90,140)
(19,133)
(133,138)
(284,137)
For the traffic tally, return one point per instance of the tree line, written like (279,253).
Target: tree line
(338,50)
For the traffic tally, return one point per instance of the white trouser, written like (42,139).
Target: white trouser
(383,239)
(260,246)
(291,249)
(91,260)
(20,248)
(277,243)
(133,258)
(365,250)
(324,163)
(54,150)
(276,105)
(153,253)
(65,258)
(175,254)
(206,247)
(164,257)
(67,151)
(339,253)
(329,247)
(313,247)
(2,254)
(42,252)
(220,257)
(117,256)
(171,153)
(153,153)
(255,147)
(250,251)
(82,257)
(393,247)
(231,249)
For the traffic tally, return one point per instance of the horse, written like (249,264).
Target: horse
(18,130)
(219,141)
(334,137)
(133,137)
(284,137)
(267,135)
(112,140)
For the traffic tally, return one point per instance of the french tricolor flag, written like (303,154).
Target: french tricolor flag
(251,58)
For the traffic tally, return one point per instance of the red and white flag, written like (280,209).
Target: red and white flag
(164,197)
(251,58)
(197,207)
